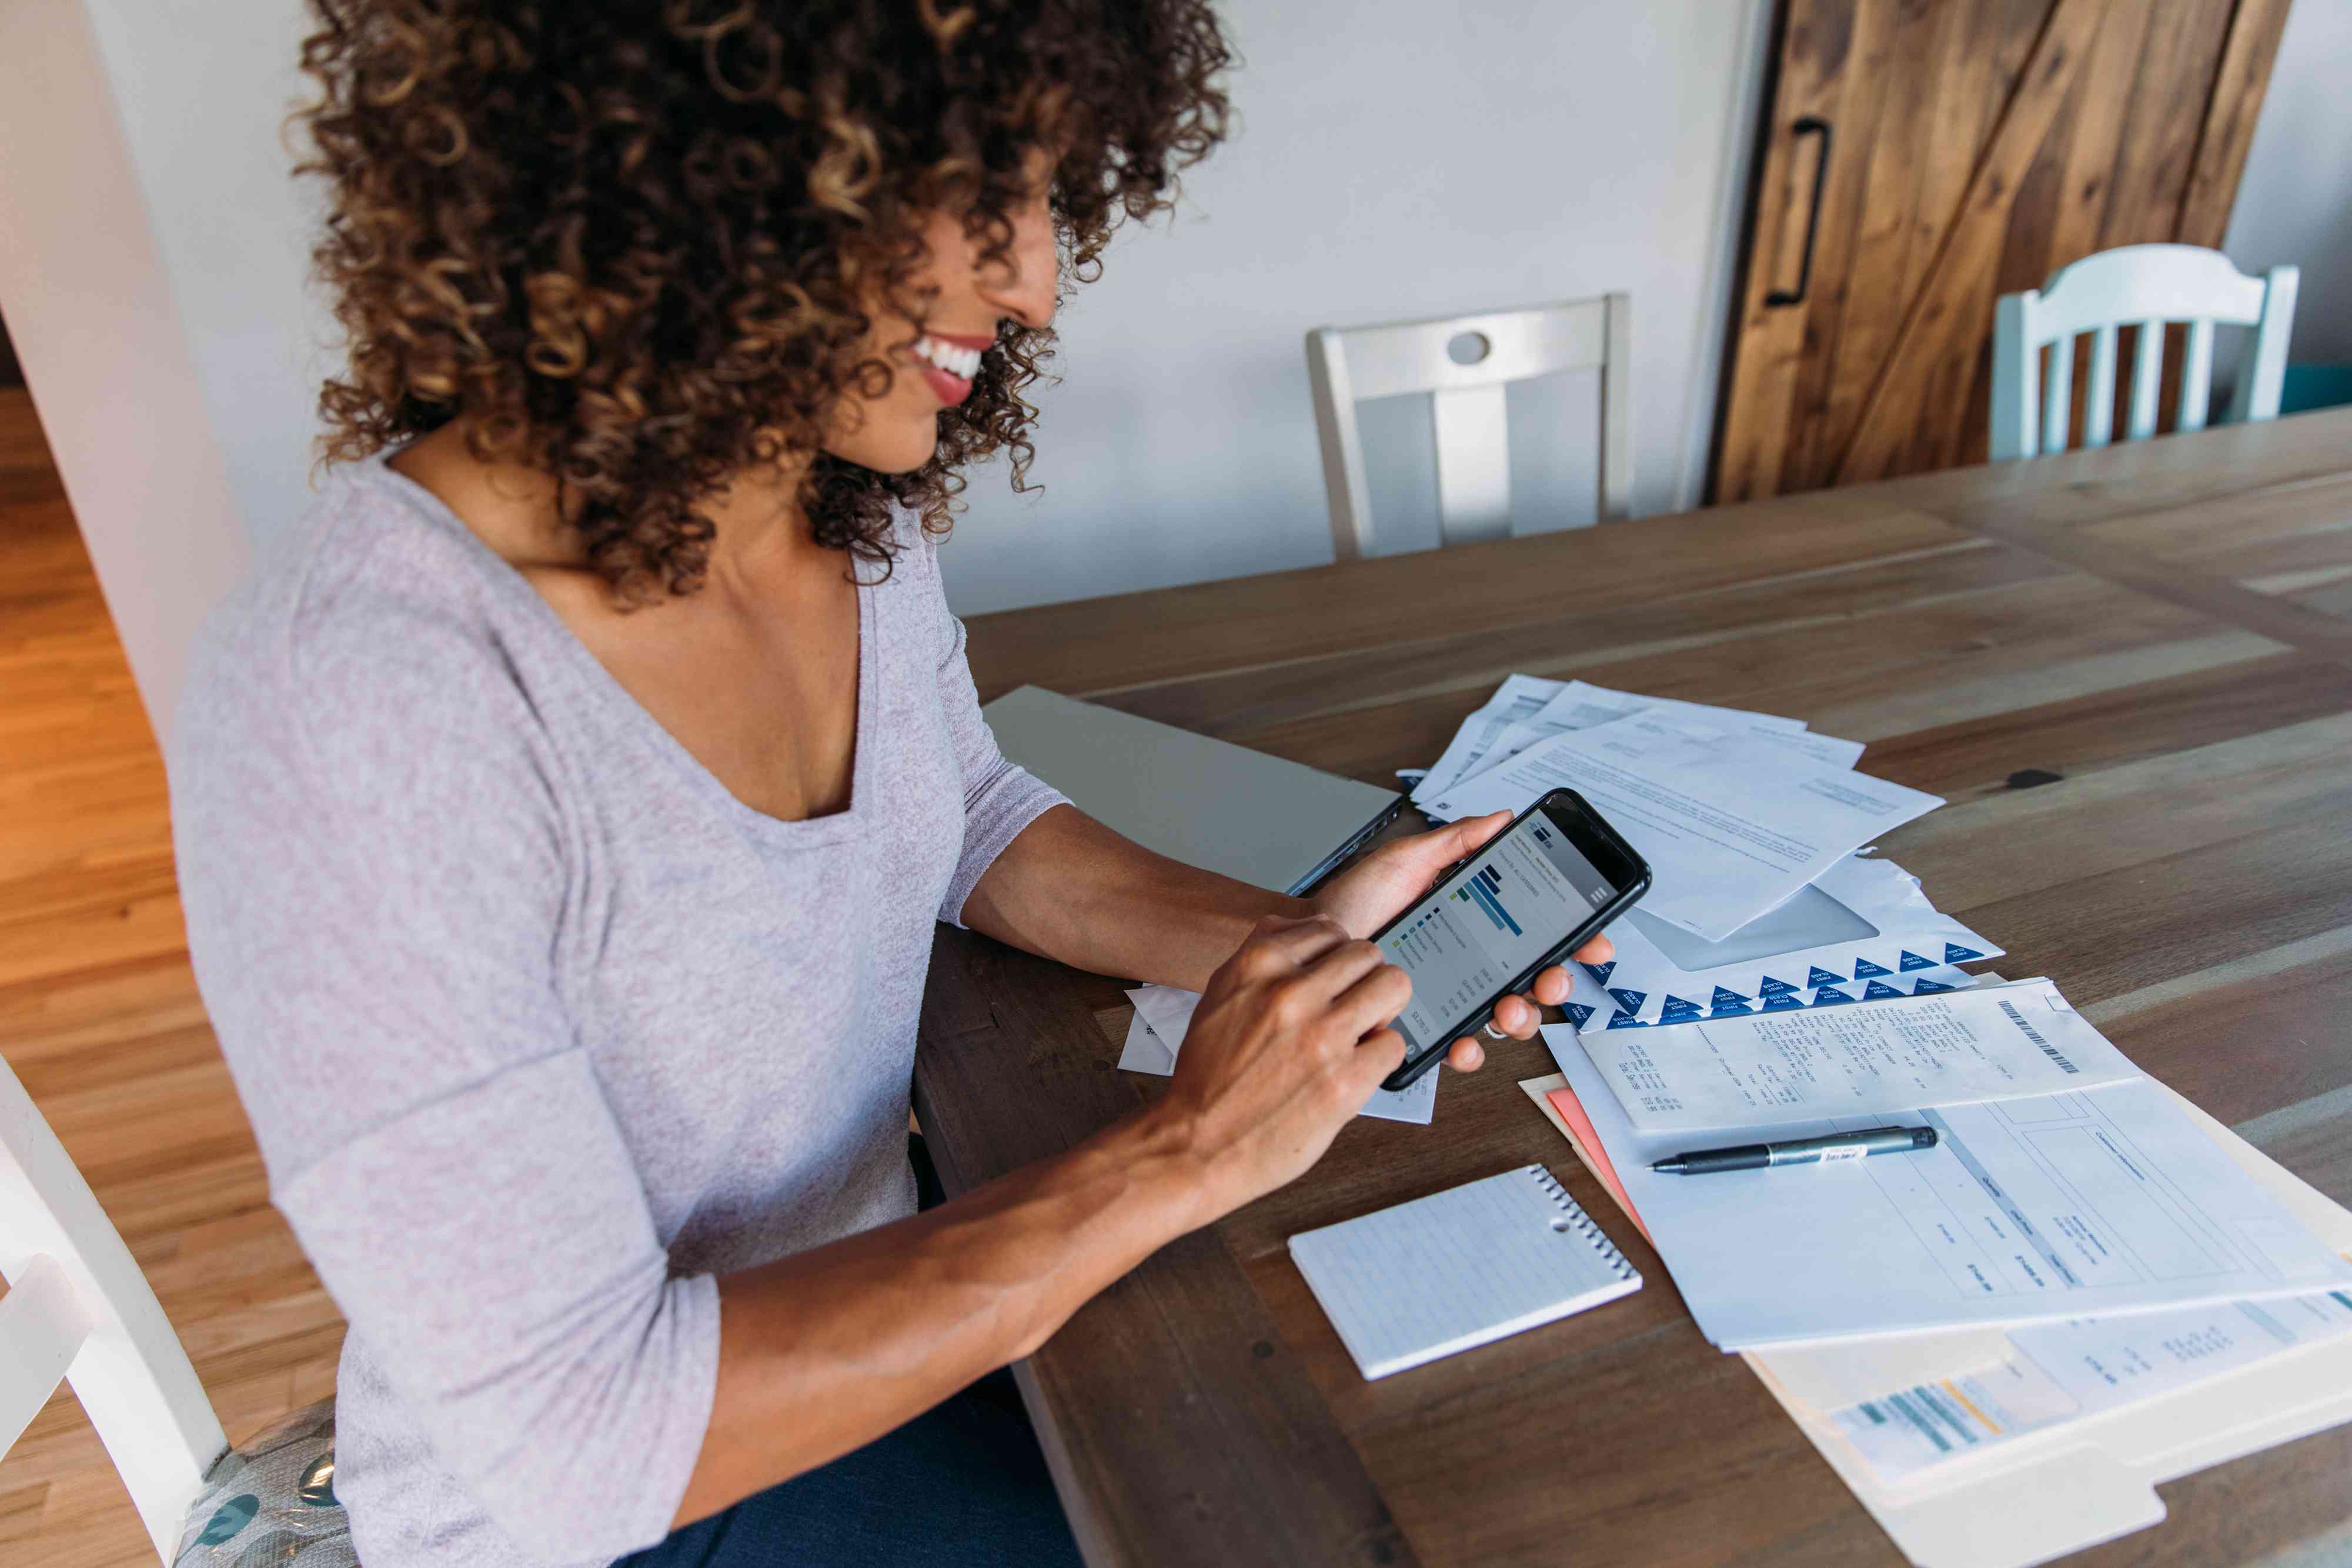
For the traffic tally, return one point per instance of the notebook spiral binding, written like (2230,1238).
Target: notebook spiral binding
(1582,1224)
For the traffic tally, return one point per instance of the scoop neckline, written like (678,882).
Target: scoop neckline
(598,683)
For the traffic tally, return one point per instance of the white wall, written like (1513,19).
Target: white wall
(1413,159)
(1417,159)
(202,102)
(91,309)
(2295,200)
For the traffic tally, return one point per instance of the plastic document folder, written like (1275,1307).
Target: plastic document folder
(1262,819)
(2064,1488)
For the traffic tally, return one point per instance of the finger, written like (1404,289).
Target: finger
(1516,1017)
(1377,1055)
(1280,943)
(1337,970)
(1600,950)
(1467,1056)
(1553,986)
(1374,1000)
(1428,853)
(1476,830)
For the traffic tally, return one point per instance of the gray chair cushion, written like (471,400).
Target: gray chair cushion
(271,1502)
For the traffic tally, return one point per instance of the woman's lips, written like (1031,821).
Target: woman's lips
(949,389)
(949,361)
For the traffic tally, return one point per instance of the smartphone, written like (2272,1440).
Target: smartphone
(1532,895)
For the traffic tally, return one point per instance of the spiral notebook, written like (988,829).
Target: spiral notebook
(1461,1268)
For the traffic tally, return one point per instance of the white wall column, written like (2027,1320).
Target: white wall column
(91,309)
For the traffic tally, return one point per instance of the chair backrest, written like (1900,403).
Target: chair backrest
(79,1308)
(1348,365)
(2146,286)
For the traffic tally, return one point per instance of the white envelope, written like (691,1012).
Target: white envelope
(2067,1488)
(1862,921)
(1590,1005)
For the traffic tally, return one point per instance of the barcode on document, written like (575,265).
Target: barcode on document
(1927,1412)
(2034,1035)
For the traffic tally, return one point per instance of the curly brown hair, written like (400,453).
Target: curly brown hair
(639,244)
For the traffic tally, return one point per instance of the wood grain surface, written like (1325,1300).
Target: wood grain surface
(2166,627)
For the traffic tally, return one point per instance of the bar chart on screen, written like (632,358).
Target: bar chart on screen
(1486,891)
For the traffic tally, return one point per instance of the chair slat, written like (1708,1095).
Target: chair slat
(2099,405)
(2147,369)
(2197,376)
(43,1325)
(1616,483)
(1342,447)
(2016,371)
(2058,395)
(1354,365)
(1474,463)
(2263,370)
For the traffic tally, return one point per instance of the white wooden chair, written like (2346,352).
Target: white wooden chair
(1464,362)
(79,1309)
(2143,284)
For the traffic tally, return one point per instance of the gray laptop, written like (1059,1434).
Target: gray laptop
(1258,818)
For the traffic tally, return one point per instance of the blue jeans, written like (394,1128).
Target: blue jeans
(961,1485)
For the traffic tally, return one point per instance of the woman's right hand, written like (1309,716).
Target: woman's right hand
(1290,1039)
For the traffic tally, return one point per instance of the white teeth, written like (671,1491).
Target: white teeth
(963,362)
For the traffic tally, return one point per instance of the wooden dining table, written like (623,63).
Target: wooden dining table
(2130,672)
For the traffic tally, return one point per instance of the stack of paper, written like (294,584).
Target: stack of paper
(1733,821)
(2064,1182)
(2001,1343)
(1754,827)
(2076,1295)
(1526,709)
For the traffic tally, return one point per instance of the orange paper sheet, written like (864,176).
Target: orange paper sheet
(1571,1111)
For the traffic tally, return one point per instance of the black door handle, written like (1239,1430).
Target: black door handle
(1807,126)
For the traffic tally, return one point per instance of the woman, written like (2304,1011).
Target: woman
(564,816)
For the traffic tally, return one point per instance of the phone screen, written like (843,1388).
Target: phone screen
(1513,902)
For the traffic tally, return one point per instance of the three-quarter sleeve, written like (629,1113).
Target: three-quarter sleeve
(376,859)
(1000,797)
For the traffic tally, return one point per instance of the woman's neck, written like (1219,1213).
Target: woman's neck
(516,510)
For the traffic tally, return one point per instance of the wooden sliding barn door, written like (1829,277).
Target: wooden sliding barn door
(1921,158)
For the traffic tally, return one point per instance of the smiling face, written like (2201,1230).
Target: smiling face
(643,250)
(969,294)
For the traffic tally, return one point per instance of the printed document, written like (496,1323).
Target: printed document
(1998,1043)
(1729,831)
(2073,1371)
(1581,706)
(1518,699)
(2081,1204)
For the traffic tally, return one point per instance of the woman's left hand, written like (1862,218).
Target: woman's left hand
(1380,886)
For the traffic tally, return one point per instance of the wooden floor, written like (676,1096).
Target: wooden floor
(99,1016)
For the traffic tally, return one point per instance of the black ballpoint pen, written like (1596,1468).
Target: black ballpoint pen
(1800,1151)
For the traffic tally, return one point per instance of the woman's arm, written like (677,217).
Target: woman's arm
(824,1351)
(1073,890)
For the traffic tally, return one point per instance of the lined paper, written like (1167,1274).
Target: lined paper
(1460,1268)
